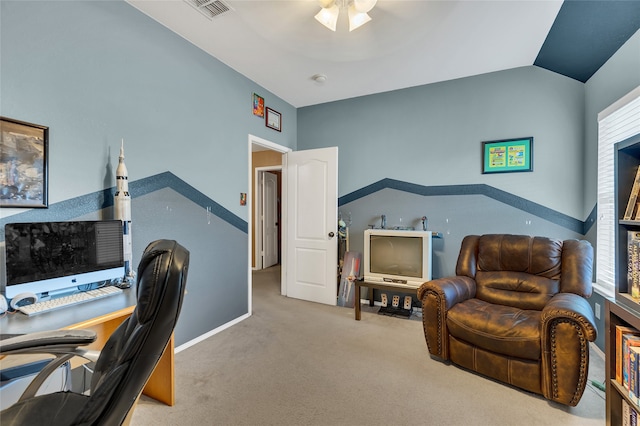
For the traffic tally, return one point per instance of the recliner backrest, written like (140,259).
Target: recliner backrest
(523,271)
(133,350)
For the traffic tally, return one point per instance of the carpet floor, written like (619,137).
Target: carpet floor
(300,363)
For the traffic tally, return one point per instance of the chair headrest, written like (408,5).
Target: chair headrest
(162,261)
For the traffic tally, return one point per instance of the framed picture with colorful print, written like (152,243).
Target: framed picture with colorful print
(507,155)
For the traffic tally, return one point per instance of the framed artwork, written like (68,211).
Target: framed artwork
(258,105)
(507,155)
(24,151)
(273,119)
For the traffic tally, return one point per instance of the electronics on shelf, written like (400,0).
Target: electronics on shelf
(399,257)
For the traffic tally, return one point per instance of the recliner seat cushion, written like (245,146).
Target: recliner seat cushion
(501,329)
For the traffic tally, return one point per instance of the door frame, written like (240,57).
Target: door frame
(257,211)
(255,140)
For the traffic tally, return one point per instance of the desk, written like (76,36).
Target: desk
(380,286)
(102,316)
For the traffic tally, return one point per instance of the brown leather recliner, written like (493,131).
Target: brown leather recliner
(516,311)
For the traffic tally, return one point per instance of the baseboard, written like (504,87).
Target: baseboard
(597,350)
(210,333)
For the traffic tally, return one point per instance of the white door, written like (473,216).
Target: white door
(312,225)
(269,219)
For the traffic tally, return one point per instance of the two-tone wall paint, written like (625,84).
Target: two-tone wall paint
(97,72)
(416,152)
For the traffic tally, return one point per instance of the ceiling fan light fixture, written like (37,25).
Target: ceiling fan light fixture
(328,16)
(357,19)
(364,6)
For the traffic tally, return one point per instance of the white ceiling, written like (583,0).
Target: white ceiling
(280,46)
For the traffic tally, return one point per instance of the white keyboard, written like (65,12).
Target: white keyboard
(70,300)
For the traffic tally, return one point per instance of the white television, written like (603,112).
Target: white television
(48,257)
(398,257)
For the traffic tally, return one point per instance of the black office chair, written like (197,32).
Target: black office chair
(127,359)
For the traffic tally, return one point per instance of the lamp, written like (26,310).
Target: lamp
(357,10)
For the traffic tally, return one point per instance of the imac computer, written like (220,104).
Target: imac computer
(56,257)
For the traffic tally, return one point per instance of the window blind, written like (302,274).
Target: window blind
(618,122)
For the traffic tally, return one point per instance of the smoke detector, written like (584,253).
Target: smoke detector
(210,8)
(319,78)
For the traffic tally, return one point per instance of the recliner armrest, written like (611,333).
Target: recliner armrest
(437,297)
(567,327)
(450,289)
(571,307)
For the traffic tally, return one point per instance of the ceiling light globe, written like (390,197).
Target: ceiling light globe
(328,17)
(357,19)
(363,6)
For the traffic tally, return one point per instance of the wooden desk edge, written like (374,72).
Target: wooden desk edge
(161,384)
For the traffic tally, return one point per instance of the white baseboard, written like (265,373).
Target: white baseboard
(210,333)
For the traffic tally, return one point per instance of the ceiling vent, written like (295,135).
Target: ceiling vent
(210,8)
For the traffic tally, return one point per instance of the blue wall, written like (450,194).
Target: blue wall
(99,71)
(427,141)
(416,152)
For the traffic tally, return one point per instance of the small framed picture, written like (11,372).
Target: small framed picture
(23,164)
(273,119)
(507,155)
(258,105)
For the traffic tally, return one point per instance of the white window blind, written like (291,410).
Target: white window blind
(618,122)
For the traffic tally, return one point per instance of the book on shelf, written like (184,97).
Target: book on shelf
(628,340)
(633,264)
(621,330)
(625,412)
(631,204)
(629,414)
(634,358)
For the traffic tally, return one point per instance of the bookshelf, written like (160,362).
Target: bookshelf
(627,169)
(617,315)
(624,311)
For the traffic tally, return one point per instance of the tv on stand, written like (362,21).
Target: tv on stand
(397,257)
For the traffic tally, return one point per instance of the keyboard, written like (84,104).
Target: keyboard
(70,300)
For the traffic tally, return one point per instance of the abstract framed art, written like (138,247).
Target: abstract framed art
(24,149)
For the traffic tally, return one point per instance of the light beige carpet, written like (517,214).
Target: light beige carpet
(300,363)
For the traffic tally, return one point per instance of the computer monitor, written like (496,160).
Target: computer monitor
(48,257)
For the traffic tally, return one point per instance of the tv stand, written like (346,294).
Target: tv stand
(380,286)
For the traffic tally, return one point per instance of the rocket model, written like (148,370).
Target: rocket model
(122,211)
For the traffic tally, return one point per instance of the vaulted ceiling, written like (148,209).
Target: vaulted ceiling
(279,45)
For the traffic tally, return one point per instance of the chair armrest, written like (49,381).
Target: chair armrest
(571,307)
(437,297)
(450,290)
(63,344)
(47,341)
(568,325)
